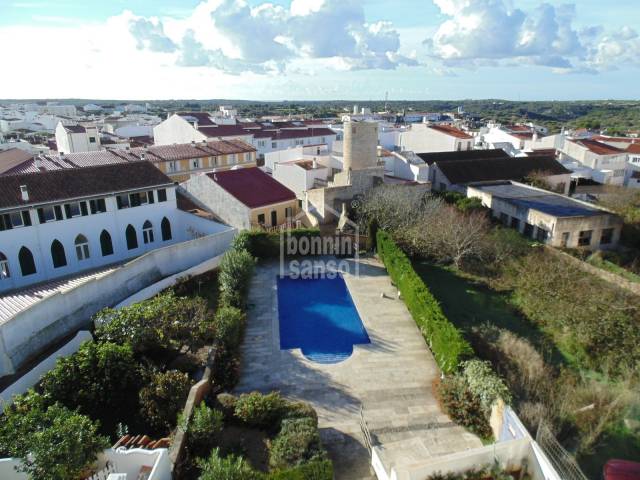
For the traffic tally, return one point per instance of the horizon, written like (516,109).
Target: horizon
(321,50)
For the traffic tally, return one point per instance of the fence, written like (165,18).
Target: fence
(562,461)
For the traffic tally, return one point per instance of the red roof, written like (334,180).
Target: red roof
(634,148)
(223,130)
(452,131)
(621,470)
(598,148)
(603,138)
(252,187)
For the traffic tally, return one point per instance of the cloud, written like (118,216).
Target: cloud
(270,37)
(149,34)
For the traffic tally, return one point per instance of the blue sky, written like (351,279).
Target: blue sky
(321,49)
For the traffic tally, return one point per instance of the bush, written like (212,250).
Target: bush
(229,325)
(163,398)
(484,384)
(160,323)
(231,467)
(264,245)
(462,406)
(445,341)
(234,275)
(226,367)
(204,427)
(227,403)
(54,443)
(258,410)
(298,442)
(300,410)
(316,470)
(98,380)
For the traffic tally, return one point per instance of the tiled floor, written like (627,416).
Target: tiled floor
(389,378)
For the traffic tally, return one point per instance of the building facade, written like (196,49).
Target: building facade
(422,138)
(76,138)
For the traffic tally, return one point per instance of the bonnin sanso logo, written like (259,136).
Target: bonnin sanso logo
(320,254)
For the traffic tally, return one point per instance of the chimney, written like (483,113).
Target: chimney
(315,163)
(143,157)
(24,193)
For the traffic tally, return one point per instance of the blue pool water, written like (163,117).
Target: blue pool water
(319,317)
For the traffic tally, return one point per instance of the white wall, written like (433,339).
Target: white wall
(43,323)
(176,129)
(39,237)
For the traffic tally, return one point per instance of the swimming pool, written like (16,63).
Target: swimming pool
(319,317)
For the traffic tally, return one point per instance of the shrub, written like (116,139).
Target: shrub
(300,410)
(234,275)
(443,338)
(98,380)
(463,406)
(203,427)
(484,384)
(230,467)
(297,442)
(227,403)
(54,443)
(258,410)
(229,326)
(162,322)
(316,470)
(163,398)
(263,244)
(226,368)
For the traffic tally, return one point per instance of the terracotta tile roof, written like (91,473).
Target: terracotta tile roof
(605,139)
(58,185)
(202,118)
(634,148)
(252,187)
(291,134)
(439,157)
(598,148)
(489,169)
(223,130)
(13,157)
(452,131)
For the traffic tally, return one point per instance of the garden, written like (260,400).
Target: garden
(499,313)
(134,379)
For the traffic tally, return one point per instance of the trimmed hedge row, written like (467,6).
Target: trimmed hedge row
(263,244)
(445,341)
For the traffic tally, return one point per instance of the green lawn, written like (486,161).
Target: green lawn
(467,303)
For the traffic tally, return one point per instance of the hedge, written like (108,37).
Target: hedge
(445,340)
(316,470)
(263,244)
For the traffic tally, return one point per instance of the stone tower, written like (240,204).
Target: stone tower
(360,145)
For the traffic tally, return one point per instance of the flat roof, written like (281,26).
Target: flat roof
(535,199)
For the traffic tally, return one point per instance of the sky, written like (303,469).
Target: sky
(320,49)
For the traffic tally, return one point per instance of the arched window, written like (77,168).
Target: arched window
(132,238)
(57,255)
(82,247)
(27,264)
(4,266)
(106,245)
(165,226)
(147,232)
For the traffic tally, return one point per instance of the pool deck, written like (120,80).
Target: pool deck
(391,378)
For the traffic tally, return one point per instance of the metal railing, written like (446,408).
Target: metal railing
(369,442)
(563,462)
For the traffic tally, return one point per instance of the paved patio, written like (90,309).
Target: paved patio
(390,378)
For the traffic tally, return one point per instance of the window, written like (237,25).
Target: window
(57,255)
(122,201)
(195,163)
(92,139)
(247,157)
(98,206)
(27,264)
(542,235)
(137,199)
(274,218)
(566,236)
(4,266)
(469,146)
(274,144)
(106,245)
(299,142)
(584,238)
(528,230)
(48,214)
(162,195)
(165,227)
(172,166)
(72,210)
(132,238)
(261,143)
(233,158)
(16,219)
(515,223)
(147,232)
(82,247)
(607,236)
(261,219)
(288,213)
(504,219)
(459,146)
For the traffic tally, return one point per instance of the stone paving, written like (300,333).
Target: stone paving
(390,378)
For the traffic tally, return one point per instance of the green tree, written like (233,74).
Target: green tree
(162,398)
(231,467)
(236,268)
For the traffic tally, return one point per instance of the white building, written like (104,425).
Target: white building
(76,138)
(632,173)
(58,223)
(423,138)
(92,108)
(602,163)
